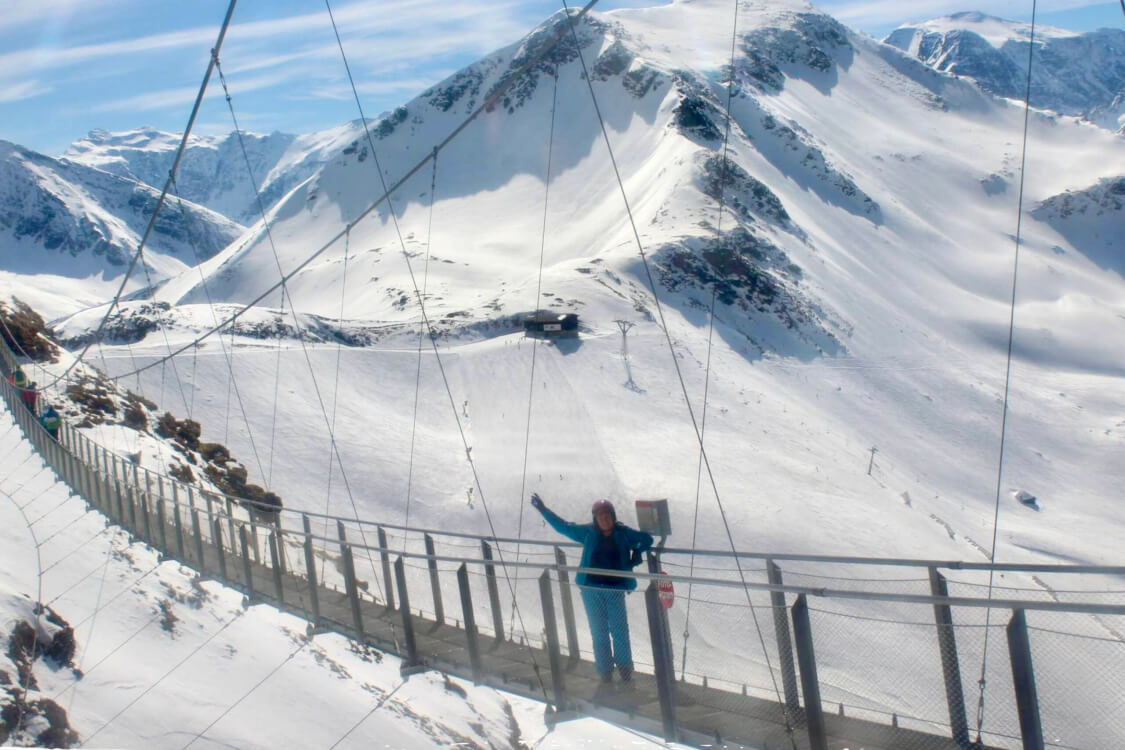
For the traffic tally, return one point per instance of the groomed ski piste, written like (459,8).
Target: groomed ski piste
(899,346)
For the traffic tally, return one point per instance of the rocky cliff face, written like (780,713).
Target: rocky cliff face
(1075,74)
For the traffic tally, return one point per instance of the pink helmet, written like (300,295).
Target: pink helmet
(605,505)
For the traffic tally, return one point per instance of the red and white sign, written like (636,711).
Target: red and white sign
(667,593)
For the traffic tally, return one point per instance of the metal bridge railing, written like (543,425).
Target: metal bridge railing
(875,652)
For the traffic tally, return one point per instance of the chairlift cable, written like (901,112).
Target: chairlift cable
(679,373)
(710,334)
(1007,371)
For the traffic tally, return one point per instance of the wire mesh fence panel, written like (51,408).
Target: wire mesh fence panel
(997,716)
(881,662)
(1080,678)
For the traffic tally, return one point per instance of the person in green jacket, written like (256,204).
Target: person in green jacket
(610,545)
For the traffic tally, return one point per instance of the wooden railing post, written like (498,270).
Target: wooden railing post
(470,621)
(554,658)
(385,556)
(435,584)
(1023,677)
(950,666)
(493,592)
(784,645)
(567,608)
(810,685)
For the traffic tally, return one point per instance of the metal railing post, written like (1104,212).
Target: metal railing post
(198,532)
(950,666)
(180,525)
(435,584)
(567,608)
(1023,678)
(280,539)
(146,521)
(470,621)
(411,660)
(162,525)
(247,574)
(784,645)
(554,658)
(310,572)
(385,556)
(661,659)
(349,580)
(275,542)
(493,592)
(218,531)
(810,685)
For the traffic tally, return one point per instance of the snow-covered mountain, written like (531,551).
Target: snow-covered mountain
(213,171)
(1072,73)
(72,220)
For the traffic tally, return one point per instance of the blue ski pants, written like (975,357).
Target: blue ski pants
(605,609)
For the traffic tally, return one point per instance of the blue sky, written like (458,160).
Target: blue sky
(69,66)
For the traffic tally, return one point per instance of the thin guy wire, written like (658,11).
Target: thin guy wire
(421,332)
(164,192)
(710,336)
(38,614)
(679,374)
(336,390)
(293,313)
(367,715)
(534,346)
(433,339)
(247,694)
(488,103)
(161,679)
(1007,370)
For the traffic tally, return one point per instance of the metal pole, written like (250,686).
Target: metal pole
(567,608)
(784,645)
(351,588)
(275,557)
(219,548)
(146,521)
(247,574)
(470,620)
(310,573)
(662,659)
(493,592)
(385,555)
(202,563)
(280,538)
(553,655)
(1023,678)
(161,524)
(950,666)
(435,584)
(810,685)
(411,659)
(180,526)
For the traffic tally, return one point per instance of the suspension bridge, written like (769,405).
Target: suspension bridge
(797,652)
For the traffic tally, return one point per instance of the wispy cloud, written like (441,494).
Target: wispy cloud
(17,14)
(879,12)
(185,95)
(24,90)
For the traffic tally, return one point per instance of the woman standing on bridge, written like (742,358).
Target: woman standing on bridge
(609,545)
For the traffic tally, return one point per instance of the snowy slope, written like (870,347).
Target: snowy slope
(1072,73)
(867,302)
(213,170)
(135,652)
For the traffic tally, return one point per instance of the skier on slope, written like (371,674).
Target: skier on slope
(610,545)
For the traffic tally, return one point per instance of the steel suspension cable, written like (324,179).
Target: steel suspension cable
(160,201)
(421,333)
(488,103)
(293,310)
(336,390)
(710,336)
(1007,373)
(679,373)
(421,302)
(38,614)
(534,346)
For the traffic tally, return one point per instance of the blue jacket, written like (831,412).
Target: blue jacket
(587,534)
